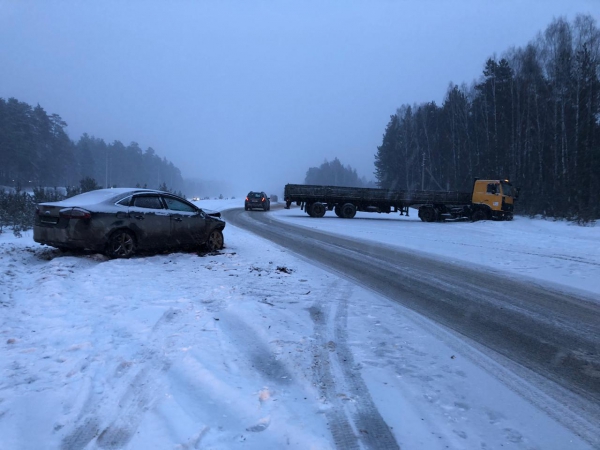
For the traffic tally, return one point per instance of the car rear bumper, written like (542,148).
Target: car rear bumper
(63,237)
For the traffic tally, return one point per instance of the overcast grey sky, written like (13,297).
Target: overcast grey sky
(253,92)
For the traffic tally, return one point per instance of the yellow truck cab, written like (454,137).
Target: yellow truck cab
(493,199)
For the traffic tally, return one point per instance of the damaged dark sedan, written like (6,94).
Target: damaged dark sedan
(119,222)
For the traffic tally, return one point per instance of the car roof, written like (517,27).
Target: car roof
(102,196)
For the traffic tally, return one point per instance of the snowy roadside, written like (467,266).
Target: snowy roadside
(253,348)
(548,252)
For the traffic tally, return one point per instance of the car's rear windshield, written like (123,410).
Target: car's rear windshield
(255,195)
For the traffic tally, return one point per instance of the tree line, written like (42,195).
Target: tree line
(334,173)
(533,117)
(35,150)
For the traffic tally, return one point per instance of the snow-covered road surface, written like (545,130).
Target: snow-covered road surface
(551,253)
(253,348)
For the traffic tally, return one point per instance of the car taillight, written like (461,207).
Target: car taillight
(246,198)
(75,213)
(262,199)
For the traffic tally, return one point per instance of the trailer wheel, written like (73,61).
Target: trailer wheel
(478,215)
(308,209)
(427,214)
(338,210)
(317,209)
(348,211)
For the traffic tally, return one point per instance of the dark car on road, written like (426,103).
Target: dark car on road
(119,222)
(257,200)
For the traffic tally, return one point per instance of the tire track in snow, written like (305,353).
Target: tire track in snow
(138,397)
(260,356)
(375,433)
(354,420)
(344,435)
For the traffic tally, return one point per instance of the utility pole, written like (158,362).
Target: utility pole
(106,171)
(423,173)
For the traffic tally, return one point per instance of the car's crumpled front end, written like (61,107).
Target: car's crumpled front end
(212,213)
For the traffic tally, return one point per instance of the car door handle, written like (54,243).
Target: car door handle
(139,217)
(178,219)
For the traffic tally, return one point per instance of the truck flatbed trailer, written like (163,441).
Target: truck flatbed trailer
(316,200)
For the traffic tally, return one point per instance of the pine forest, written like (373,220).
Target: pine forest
(532,117)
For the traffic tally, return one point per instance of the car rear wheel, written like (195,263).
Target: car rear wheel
(215,241)
(121,244)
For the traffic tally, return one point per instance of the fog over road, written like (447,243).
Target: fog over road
(552,338)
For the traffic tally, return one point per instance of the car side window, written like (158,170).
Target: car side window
(178,205)
(491,188)
(147,201)
(124,202)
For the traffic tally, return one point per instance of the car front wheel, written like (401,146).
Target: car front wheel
(215,241)
(121,244)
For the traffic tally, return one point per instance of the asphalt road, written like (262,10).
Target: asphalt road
(554,334)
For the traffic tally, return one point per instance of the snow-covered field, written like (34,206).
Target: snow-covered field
(255,348)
